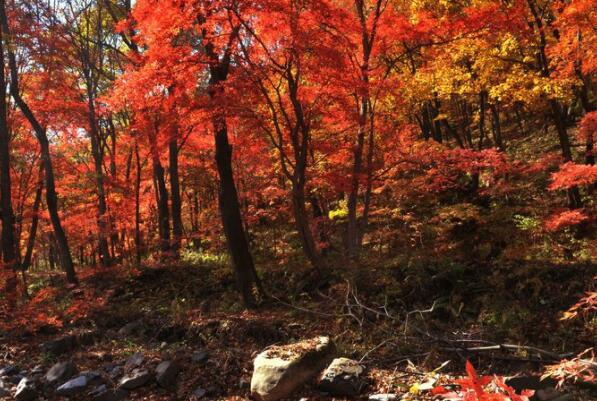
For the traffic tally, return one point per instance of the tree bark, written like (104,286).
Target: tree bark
(496,126)
(137,206)
(236,239)
(34,222)
(162,202)
(574,199)
(482,107)
(102,223)
(177,227)
(353,228)
(9,246)
(368,35)
(557,113)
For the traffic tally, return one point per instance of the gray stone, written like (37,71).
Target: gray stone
(8,370)
(199,392)
(26,390)
(61,345)
(280,370)
(199,356)
(4,392)
(98,389)
(60,372)
(166,372)
(15,379)
(135,379)
(134,361)
(131,328)
(102,393)
(93,376)
(37,370)
(114,370)
(343,377)
(383,397)
(73,386)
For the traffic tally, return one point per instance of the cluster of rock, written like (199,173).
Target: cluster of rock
(281,370)
(64,379)
(278,373)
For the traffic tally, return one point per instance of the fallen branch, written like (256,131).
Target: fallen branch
(501,347)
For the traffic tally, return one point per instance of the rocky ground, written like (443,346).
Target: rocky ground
(126,348)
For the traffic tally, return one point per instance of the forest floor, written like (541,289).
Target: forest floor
(401,324)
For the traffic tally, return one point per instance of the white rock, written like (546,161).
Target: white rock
(280,370)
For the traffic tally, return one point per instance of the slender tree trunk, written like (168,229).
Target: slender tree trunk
(96,151)
(426,123)
(368,34)
(303,227)
(40,133)
(496,126)
(177,228)
(574,199)
(482,104)
(236,239)
(437,127)
(557,112)
(369,185)
(162,203)
(353,225)
(588,107)
(137,205)
(518,109)
(9,246)
(34,222)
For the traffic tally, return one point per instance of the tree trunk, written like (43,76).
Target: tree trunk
(238,247)
(303,227)
(236,239)
(574,199)
(162,203)
(137,206)
(40,133)
(482,104)
(496,126)
(102,223)
(34,222)
(369,185)
(177,228)
(588,107)
(353,225)
(9,247)
(557,113)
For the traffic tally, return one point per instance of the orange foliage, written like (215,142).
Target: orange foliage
(572,175)
(559,221)
(475,388)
